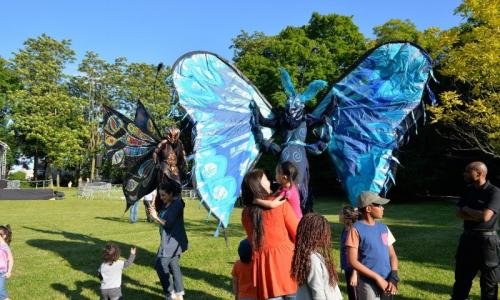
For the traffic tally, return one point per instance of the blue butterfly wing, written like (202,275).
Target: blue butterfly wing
(217,98)
(379,100)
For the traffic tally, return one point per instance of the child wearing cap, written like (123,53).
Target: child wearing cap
(243,288)
(370,250)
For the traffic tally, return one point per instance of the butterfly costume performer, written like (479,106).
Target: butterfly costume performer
(137,147)
(294,124)
(362,121)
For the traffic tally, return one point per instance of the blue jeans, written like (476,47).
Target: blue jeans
(133,212)
(164,267)
(284,297)
(3,290)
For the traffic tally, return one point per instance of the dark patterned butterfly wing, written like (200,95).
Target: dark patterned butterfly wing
(131,146)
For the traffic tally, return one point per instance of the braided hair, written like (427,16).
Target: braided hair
(313,235)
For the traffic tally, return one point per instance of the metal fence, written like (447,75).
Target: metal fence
(28,184)
(189,194)
(107,191)
(95,190)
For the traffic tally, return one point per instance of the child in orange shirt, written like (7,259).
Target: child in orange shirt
(243,288)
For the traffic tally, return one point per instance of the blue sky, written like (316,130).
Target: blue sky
(161,30)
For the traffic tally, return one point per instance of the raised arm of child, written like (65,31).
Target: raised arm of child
(131,258)
(277,201)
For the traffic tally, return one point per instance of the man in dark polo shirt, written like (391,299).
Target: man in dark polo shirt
(478,248)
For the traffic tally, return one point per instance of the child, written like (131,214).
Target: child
(168,211)
(111,269)
(286,173)
(243,288)
(312,264)
(348,215)
(6,259)
(370,251)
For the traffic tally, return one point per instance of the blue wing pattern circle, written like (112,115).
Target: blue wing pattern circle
(217,97)
(379,100)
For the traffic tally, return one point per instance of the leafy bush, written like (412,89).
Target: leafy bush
(19,175)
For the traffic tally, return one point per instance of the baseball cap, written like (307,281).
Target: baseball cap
(366,198)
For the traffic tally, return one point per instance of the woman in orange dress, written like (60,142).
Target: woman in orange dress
(272,236)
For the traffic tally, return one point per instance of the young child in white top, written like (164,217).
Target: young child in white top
(110,271)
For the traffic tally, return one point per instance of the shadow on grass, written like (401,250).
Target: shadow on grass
(199,295)
(194,228)
(428,286)
(219,281)
(77,293)
(426,246)
(78,244)
(120,219)
(130,293)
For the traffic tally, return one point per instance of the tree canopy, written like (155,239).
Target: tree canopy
(46,120)
(470,107)
(321,49)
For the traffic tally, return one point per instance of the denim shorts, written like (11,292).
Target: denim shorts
(3,290)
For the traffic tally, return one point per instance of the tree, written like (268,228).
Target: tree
(9,82)
(336,41)
(405,30)
(119,85)
(142,83)
(470,109)
(397,30)
(46,120)
(100,83)
(8,79)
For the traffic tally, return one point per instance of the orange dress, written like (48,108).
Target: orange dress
(272,263)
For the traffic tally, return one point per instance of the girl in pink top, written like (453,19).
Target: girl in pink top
(6,260)
(286,173)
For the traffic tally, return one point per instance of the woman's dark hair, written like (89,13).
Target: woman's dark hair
(251,189)
(6,231)
(313,235)
(171,187)
(168,186)
(350,215)
(289,169)
(110,253)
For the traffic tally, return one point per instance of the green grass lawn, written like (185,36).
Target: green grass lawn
(57,245)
